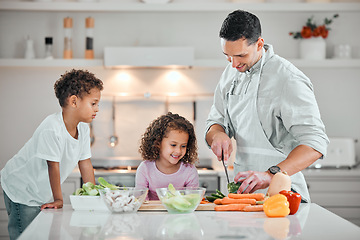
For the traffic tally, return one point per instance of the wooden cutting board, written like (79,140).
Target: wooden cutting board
(157,206)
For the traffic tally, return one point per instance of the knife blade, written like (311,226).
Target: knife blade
(225,167)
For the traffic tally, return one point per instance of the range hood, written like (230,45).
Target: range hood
(122,57)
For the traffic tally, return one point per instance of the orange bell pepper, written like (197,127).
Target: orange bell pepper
(277,206)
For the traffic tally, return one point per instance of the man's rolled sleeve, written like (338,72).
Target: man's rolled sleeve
(301,115)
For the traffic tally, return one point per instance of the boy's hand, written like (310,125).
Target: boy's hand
(55,204)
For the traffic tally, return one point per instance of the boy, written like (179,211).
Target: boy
(32,179)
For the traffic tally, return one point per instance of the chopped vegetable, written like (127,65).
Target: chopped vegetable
(176,202)
(280,181)
(256,196)
(276,206)
(105,184)
(89,189)
(227,200)
(231,207)
(220,193)
(214,196)
(210,198)
(233,187)
(294,200)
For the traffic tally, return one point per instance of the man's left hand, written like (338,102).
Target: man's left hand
(252,181)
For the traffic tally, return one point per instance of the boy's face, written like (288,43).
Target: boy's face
(88,105)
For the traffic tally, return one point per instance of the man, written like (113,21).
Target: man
(268,106)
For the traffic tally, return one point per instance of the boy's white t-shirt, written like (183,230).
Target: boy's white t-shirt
(25,177)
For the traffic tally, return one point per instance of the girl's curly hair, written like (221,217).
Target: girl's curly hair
(75,82)
(159,128)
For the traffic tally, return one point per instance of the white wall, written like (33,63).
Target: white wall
(26,94)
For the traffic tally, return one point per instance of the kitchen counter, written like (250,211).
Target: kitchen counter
(310,222)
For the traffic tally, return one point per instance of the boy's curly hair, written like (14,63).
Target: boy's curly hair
(75,82)
(159,128)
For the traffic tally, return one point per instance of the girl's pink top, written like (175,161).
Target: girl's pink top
(147,175)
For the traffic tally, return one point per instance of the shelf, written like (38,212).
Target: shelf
(18,62)
(175,7)
(205,63)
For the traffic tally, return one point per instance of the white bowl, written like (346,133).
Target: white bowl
(185,199)
(87,203)
(124,199)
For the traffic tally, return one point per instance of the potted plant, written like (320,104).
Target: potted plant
(313,45)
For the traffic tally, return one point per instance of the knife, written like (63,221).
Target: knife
(225,167)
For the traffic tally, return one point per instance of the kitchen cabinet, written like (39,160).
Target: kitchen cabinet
(31,9)
(336,190)
(3,217)
(69,186)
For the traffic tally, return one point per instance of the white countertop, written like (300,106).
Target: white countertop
(310,222)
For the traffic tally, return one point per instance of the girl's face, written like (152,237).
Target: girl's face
(173,147)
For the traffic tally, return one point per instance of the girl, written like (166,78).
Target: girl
(169,149)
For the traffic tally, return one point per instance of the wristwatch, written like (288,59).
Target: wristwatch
(274,169)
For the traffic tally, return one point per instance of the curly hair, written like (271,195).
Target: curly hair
(159,128)
(241,24)
(75,82)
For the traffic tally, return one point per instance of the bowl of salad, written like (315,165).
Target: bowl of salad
(88,196)
(123,199)
(180,200)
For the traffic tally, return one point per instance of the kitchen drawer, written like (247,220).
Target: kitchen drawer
(333,186)
(332,199)
(2,201)
(3,215)
(4,234)
(350,214)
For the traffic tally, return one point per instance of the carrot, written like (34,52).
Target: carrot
(204,202)
(257,196)
(227,200)
(253,208)
(218,201)
(231,207)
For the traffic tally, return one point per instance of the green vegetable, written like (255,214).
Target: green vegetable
(89,189)
(105,184)
(210,198)
(175,202)
(216,195)
(220,193)
(233,187)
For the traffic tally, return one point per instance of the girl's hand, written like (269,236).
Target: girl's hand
(55,204)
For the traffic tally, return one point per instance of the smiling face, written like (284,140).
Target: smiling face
(88,105)
(173,147)
(242,55)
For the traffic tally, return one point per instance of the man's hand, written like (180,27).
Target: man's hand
(55,204)
(220,142)
(252,181)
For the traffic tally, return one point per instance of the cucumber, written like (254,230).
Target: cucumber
(210,198)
